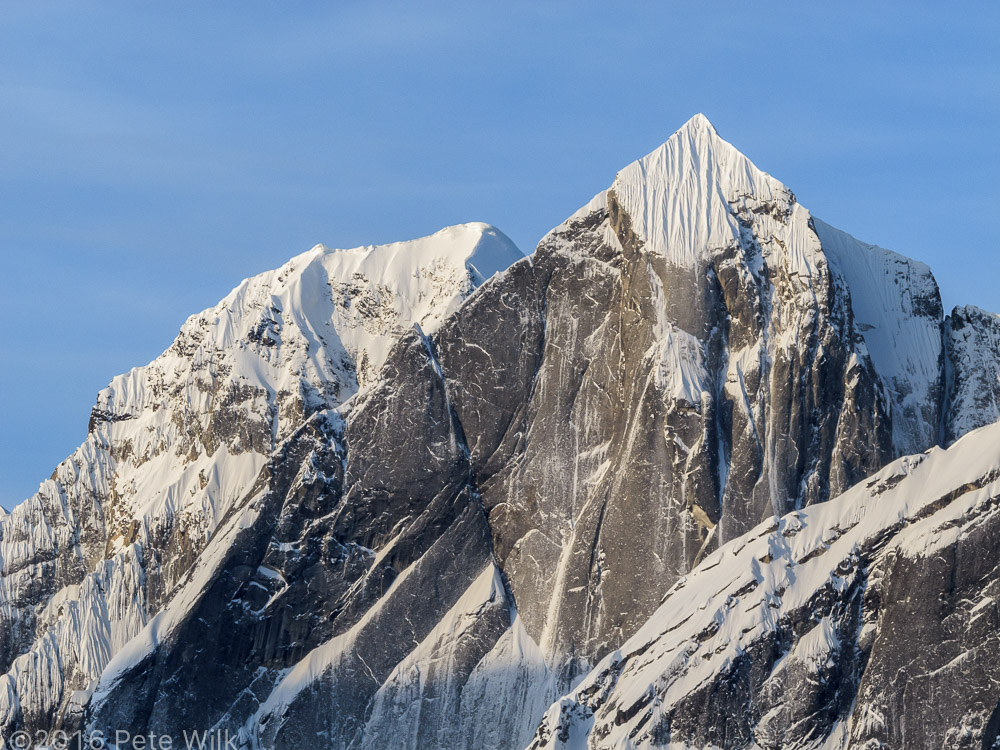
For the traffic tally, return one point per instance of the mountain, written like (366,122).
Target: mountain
(411,495)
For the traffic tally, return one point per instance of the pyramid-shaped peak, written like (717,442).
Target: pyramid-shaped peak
(696,140)
(702,136)
(679,195)
(696,151)
(698,123)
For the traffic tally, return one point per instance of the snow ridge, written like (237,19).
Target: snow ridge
(678,196)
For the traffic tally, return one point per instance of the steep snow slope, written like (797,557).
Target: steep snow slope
(897,308)
(972,338)
(173,445)
(680,197)
(801,633)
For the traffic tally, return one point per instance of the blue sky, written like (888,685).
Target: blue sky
(155,154)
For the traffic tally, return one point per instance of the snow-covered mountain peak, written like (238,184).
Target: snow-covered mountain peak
(380,290)
(301,337)
(683,198)
(475,244)
(703,144)
(700,210)
(370,498)
(698,122)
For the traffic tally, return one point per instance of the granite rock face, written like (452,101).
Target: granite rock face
(409,496)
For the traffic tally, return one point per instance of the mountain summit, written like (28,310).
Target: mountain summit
(413,494)
(679,196)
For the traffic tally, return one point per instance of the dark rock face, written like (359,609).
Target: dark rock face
(214,646)
(603,481)
(931,679)
(304,570)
